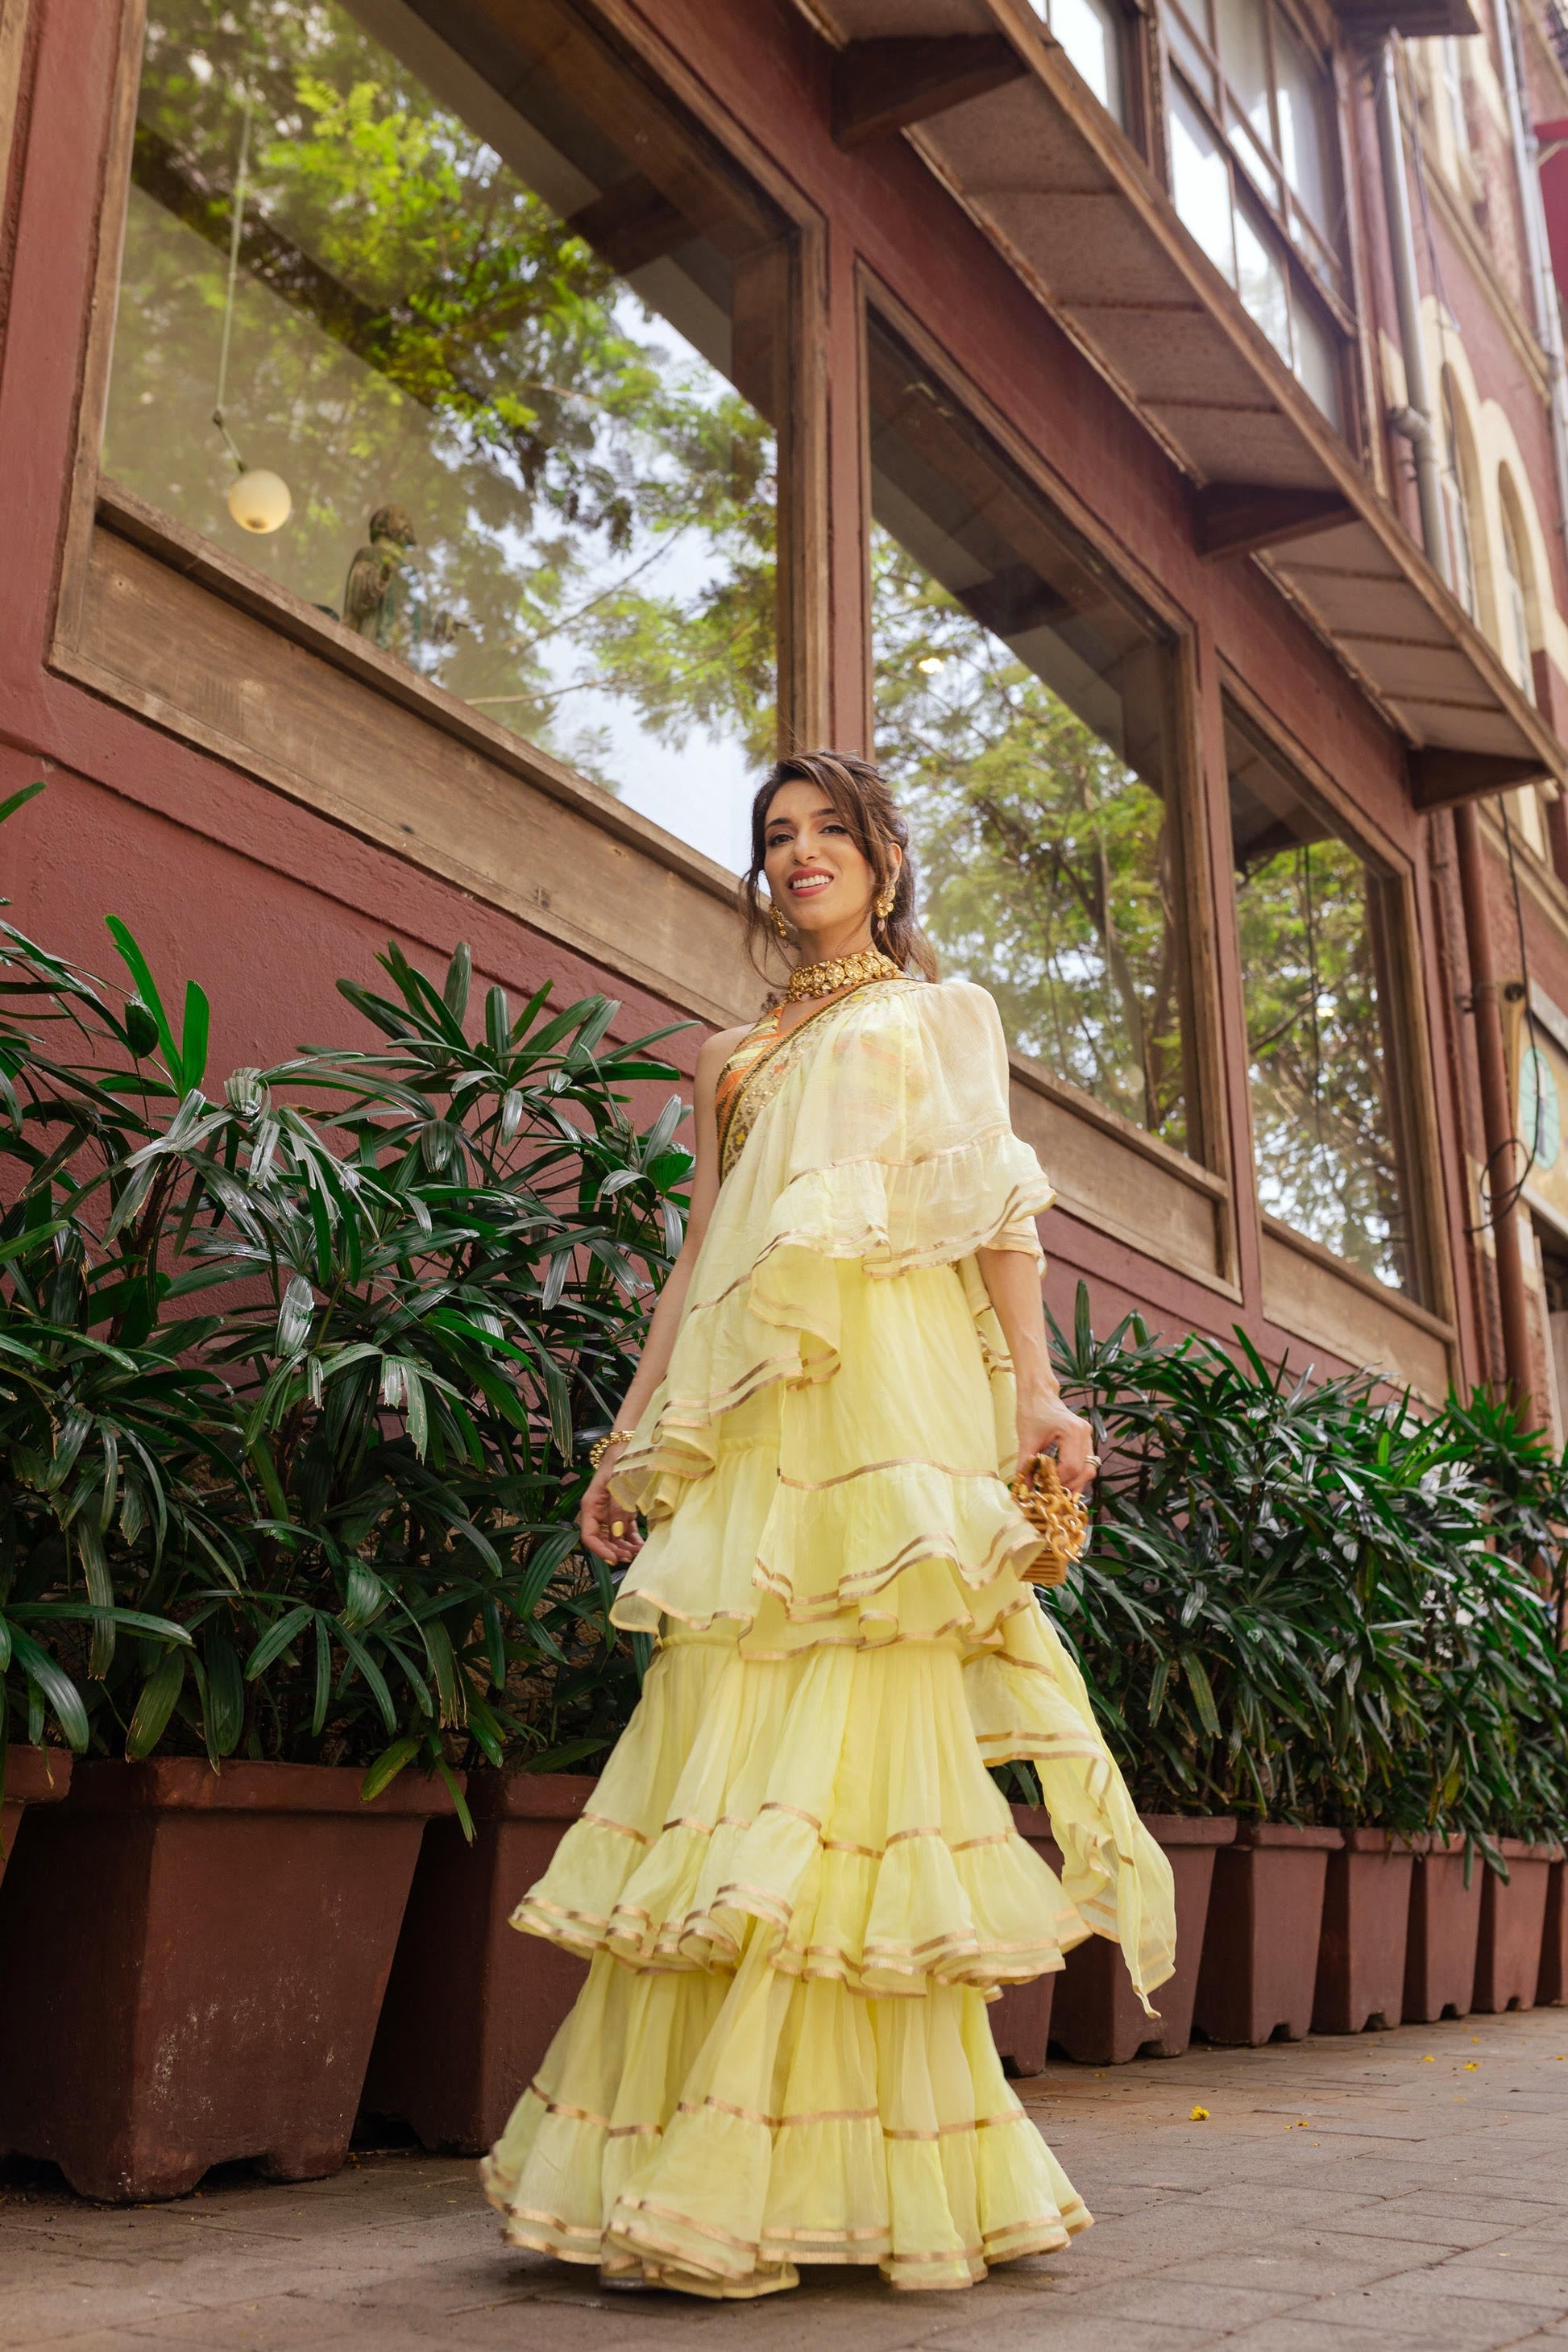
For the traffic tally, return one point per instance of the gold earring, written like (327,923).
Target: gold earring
(779,925)
(885,903)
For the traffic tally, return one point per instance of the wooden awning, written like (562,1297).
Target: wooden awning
(991,102)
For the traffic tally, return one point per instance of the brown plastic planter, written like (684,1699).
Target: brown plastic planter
(191,1965)
(1099,2019)
(1260,1967)
(472,2005)
(1021,2020)
(34,1776)
(1366,1924)
(1508,1953)
(1552,1987)
(1445,1929)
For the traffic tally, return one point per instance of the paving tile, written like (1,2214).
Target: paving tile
(1324,2331)
(1310,2267)
(1392,2217)
(1504,2281)
(1069,2333)
(1180,2302)
(1401,2309)
(1402,2211)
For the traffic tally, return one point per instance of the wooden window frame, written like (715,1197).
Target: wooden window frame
(516,827)
(1340,308)
(1177,1206)
(1306,1290)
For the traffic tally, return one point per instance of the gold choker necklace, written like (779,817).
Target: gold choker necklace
(840,972)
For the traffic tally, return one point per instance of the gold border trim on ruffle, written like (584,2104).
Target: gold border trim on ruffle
(868,1469)
(986,1643)
(1015,1536)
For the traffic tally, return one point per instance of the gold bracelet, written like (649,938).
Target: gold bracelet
(601,1445)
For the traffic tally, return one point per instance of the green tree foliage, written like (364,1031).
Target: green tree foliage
(1323,1127)
(1046,862)
(415,325)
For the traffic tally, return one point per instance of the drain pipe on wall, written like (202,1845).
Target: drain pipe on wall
(1417,424)
(1543,284)
(1414,422)
(1548,318)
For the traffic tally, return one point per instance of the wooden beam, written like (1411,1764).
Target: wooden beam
(632,224)
(1014,601)
(1438,778)
(1240,518)
(1418,20)
(885,85)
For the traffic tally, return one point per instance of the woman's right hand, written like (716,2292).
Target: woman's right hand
(600,1515)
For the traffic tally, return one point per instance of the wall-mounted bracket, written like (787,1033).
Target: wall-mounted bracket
(1242,517)
(1439,778)
(881,85)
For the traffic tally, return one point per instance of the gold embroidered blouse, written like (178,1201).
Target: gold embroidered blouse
(758,1067)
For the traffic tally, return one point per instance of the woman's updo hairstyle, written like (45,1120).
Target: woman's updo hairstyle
(861,793)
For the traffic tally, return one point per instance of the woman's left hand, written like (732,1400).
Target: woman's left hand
(1045,1422)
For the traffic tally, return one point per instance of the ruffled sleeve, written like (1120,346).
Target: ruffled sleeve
(889,1143)
(903,1152)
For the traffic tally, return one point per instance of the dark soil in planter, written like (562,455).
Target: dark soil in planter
(1445,1929)
(1367,1923)
(1513,1918)
(1099,2020)
(1552,1987)
(1260,1967)
(191,1966)
(472,2005)
(34,1776)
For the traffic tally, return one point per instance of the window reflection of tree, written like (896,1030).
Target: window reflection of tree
(1047,863)
(1023,707)
(426,321)
(1311,916)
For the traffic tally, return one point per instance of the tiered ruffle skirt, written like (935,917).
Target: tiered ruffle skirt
(797,1885)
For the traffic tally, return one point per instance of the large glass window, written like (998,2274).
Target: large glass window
(1091,35)
(1314,920)
(1254,175)
(511,368)
(1456,502)
(1023,709)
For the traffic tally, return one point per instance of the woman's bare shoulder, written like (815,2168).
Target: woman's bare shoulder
(716,1050)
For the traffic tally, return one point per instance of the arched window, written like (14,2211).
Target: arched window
(1516,625)
(1455,506)
(1517,587)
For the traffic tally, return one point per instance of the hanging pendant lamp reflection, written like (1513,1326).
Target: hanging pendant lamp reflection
(259,500)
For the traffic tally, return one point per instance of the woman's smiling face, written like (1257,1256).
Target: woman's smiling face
(817,876)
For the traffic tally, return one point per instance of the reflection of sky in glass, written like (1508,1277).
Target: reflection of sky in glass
(348,439)
(1200,184)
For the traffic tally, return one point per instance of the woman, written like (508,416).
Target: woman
(798,1884)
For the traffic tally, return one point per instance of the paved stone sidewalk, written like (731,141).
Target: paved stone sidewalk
(1406,2189)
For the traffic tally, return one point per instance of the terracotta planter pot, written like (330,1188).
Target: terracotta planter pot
(191,1965)
(34,1776)
(1513,1918)
(1366,1922)
(1551,1986)
(1259,1965)
(1444,1927)
(1099,2019)
(472,2005)
(1021,2019)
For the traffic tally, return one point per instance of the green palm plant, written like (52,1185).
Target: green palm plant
(295,1383)
(1303,1601)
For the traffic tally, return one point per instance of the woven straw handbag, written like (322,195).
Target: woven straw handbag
(1062,1519)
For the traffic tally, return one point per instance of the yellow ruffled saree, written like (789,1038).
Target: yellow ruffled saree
(798,1885)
